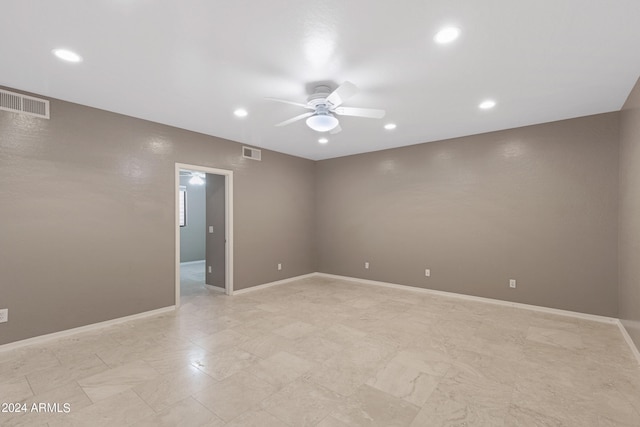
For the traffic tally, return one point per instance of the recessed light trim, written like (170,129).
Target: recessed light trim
(323,140)
(487,104)
(67,55)
(390,126)
(447,35)
(240,112)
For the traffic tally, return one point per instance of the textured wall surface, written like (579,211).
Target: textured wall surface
(537,204)
(87,222)
(629,239)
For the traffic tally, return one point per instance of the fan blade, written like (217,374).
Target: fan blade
(371,113)
(295,119)
(345,91)
(284,101)
(335,130)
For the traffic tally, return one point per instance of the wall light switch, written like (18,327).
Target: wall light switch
(366,265)
(4,315)
(427,272)
(211,229)
(279,266)
(209,269)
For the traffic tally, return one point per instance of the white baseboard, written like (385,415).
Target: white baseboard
(92,327)
(215,288)
(270,284)
(192,262)
(584,316)
(629,341)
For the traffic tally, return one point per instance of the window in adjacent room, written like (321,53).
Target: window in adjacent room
(183,206)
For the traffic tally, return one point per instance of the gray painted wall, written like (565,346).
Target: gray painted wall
(537,204)
(215,253)
(89,233)
(629,237)
(192,236)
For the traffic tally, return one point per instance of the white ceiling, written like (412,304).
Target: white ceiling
(190,63)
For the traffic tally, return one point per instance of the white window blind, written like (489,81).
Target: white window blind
(182,201)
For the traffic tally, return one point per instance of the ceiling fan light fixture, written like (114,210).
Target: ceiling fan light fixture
(196,180)
(240,112)
(67,55)
(322,122)
(447,35)
(487,104)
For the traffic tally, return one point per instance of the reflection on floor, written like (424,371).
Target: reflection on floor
(323,352)
(192,278)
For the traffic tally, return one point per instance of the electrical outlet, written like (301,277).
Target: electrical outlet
(279,266)
(427,272)
(366,265)
(4,315)
(512,283)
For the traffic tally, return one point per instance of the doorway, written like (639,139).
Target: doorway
(215,223)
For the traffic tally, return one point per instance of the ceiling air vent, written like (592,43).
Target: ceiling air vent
(23,104)
(251,153)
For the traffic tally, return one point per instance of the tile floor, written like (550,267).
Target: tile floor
(328,353)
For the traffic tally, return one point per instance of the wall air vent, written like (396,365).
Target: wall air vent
(251,153)
(23,104)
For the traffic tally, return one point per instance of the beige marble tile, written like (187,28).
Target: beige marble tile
(315,349)
(301,403)
(256,418)
(70,393)
(21,363)
(430,362)
(267,345)
(571,405)
(117,380)
(118,410)
(337,342)
(555,337)
(369,406)
(51,378)
(524,417)
(226,363)
(170,361)
(341,334)
(185,413)
(345,372)
(15,390)
(444,409)
(281,368)
(223,340)
(330,421)
(404,382)
(295,330)
(235,395)
(166,390)
(612,405)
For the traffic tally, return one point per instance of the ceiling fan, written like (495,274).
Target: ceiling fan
(197,178)
(324,104)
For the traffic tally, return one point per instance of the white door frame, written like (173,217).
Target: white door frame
(228,232)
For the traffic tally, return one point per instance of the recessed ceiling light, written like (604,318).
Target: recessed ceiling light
(241,112)
(390,126)
(323,140)
(487,104)
(67,55)
(447,35)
